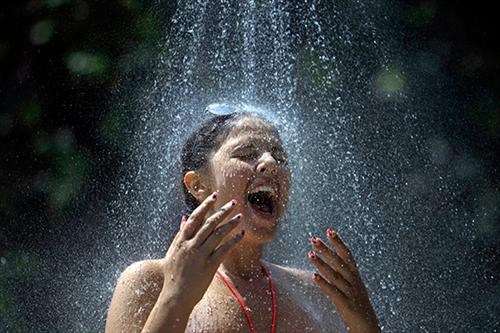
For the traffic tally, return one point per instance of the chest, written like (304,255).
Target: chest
(220,311)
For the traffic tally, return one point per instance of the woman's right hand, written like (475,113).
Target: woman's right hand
(197,251)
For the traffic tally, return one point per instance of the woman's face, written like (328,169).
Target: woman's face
(251,167)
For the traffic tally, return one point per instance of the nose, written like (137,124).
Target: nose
(267,164)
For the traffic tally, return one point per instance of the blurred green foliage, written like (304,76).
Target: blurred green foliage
(29,114)
(61,61)
(66,174)
(56,3)
(390,81)
(422,13)
(486,114)
(42,32)
(62,64)
(17,265)
(87,63)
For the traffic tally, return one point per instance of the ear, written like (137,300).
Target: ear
(196,185)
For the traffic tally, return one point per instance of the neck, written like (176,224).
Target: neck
(244,262)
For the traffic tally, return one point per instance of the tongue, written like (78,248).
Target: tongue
(261,203)
(261,207)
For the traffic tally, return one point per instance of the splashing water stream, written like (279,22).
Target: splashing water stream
(360,131)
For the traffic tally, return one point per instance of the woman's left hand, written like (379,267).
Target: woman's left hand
(339,279)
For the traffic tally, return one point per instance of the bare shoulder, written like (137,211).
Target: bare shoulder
(136,293)
(299,286)
(145,270)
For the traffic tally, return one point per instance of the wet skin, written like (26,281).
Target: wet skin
(179,292)
(251,154)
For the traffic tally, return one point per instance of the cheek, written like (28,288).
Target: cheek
(284,174)
(285,179)
(236,176)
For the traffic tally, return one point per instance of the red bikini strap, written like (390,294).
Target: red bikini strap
(266,273)
(242,303)
(235,293)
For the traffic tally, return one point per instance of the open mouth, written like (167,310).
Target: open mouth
(263,201)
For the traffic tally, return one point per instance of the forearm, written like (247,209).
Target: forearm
(169,314)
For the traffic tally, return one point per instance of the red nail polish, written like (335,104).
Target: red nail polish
(313,240)
(316,276)
(234,202)
(215,194)
(311,255)
(183,219)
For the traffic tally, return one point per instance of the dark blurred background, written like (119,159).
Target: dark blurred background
(65,64)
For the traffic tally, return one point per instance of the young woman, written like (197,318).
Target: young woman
(213,279)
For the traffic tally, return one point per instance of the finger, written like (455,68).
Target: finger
(337,296)
(220,233)
(332,276)
(333,259)
(177,236)
(196,218)
(342,250)
(220,253)
(212,222)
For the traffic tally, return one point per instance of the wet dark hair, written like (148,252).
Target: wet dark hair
(205,139)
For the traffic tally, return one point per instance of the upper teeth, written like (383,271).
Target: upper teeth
(264,188)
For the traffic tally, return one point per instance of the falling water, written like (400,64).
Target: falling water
(364,129)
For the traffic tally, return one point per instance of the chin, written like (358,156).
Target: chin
(261,228)
(260,235)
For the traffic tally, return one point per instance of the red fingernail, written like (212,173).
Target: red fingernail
(313,240)
(215,194)
(330,232)
(183,220)
(311,255)
(234,202)
(316,276)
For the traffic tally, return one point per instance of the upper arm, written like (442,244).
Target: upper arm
(135,295)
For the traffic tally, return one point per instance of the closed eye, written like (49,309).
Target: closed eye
(251,153)
(245,155)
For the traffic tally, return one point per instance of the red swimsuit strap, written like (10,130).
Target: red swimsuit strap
(273,294)
(242,303)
